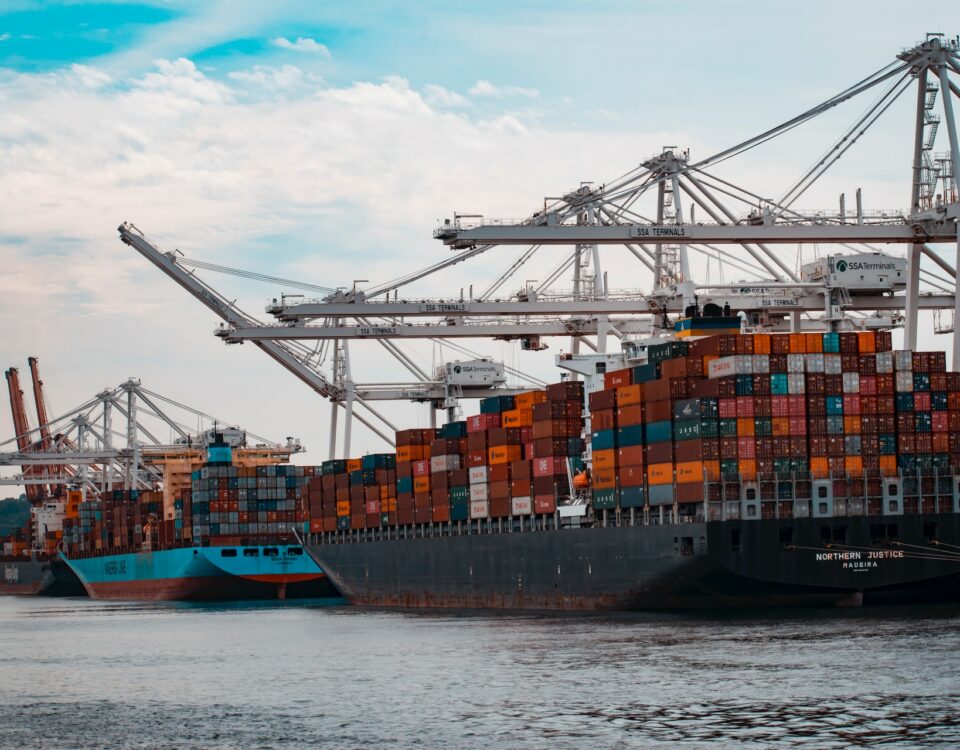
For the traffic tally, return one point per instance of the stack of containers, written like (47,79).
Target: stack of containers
(490,480)
(448,474)
(477,502)
(413,449)
(603,438)
(561,449)
(380,488)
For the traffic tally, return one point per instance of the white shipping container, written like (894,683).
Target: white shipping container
(884,363)
(445,462)
(796,383)
(795,362)
(521,506)
(761,364)
(479,509)
(479,492)
(903,360)
(478,474)
(832,364)
(851,382)
(723,366)
(744,364)
(903,382)
(814,362)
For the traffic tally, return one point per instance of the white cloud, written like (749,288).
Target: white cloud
(485,88)
(4,37)
(285,77)
(90,77)
(438,96)
(302,44)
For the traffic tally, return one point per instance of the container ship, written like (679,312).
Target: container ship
(717,469)
(29,558)
(229,535)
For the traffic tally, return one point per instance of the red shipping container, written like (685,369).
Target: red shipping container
(421,468)
(746,447)
(617,378)
(851,404)
(476,458)
(630,455)
(631,476)
(745,407)
(544,504)
(549,466)
(727,408)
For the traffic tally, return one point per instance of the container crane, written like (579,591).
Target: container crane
(22,431)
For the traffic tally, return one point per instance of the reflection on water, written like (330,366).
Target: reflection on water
(84,674)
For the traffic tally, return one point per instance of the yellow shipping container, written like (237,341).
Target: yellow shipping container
(660,473)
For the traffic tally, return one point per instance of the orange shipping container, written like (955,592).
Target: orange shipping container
(660,473)
(354,464)
(503,454)
(747,468)
(628,395)
(867,341)
(606,459)
(343,508)
(711,471)
(421,484)
(761,343)
(529,399)
(820,467)
(605,479)
(628,416)
(746,427)
(851,425)
(517,418)
(781,426)
(813,342)
(798,343)
(854,466)
(888,466)
(689,471)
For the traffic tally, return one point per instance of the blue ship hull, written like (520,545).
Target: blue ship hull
(204,574)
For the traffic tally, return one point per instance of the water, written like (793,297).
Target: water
(83,674)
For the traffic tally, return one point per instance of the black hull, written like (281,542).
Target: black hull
(40,578)
(684,566)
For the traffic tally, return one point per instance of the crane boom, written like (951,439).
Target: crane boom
(236,318)
(40,401)
(21,427)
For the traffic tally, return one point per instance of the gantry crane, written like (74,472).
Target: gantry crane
(663,212)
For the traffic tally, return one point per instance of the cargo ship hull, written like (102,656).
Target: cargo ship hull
(683,566)
(41,577)
(204,574)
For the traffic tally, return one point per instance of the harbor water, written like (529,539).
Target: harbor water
(76,673)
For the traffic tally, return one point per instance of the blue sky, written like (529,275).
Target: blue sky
(321,141)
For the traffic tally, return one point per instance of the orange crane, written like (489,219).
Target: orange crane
(21,428)
(43,420)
